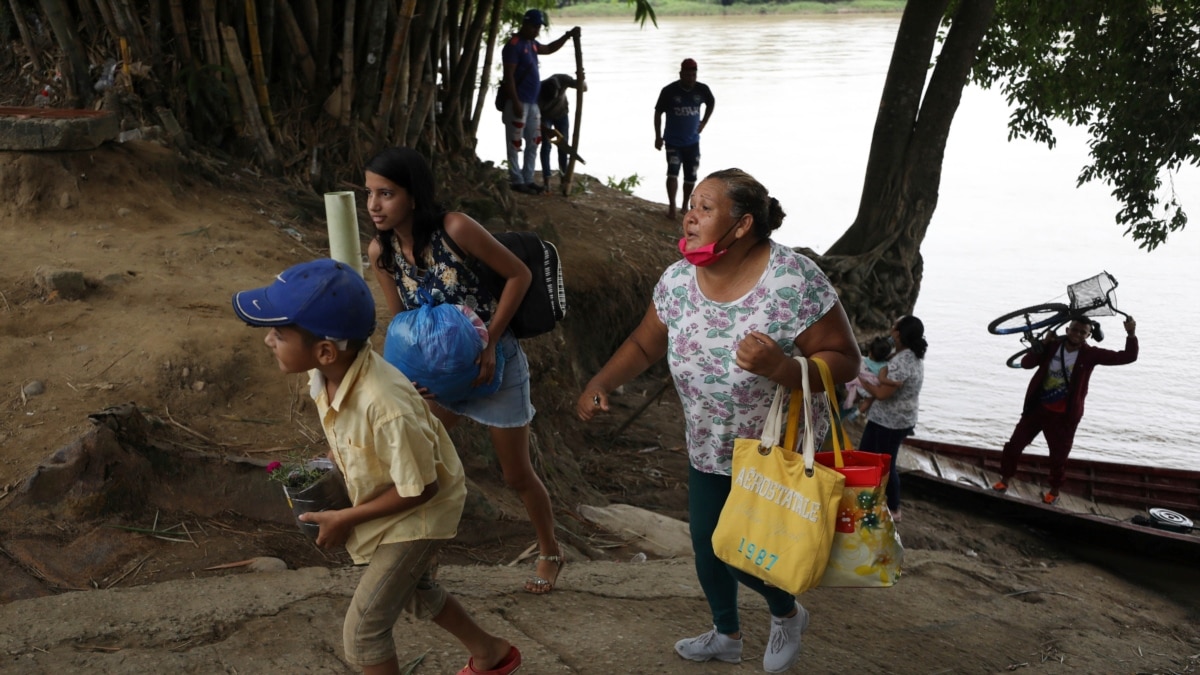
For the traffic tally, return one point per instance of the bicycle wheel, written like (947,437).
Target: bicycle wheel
(1014,361)
(1030,318)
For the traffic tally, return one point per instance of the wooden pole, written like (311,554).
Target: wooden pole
(254,122)
(566,180)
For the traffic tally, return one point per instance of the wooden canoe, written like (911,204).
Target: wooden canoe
(1101,503)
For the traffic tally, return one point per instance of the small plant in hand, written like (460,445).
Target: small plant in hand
(296,473)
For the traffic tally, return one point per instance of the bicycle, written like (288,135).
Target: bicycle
(1089,298)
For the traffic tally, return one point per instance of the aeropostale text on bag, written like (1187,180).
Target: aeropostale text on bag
(782,495)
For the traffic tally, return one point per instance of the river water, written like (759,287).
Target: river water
(796,100)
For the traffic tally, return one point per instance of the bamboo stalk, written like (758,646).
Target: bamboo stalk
(208,29)
(75,75)
(88,19)
(127,22)
(310,19)
(399,39)
(484,92)
(266,17)
(375,17)
(154,36)
(179,25)
(35,55)
(463,65)
(110,23)
(347,85)
(254,122)
(324,44)
(299,44)
(260,76)
(420,73)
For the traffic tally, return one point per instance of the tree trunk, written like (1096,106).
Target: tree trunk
(75,75)
(876,264)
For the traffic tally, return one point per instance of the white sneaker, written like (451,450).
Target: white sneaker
(783,647)
(711,645)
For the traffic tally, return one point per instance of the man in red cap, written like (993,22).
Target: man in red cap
(680,102)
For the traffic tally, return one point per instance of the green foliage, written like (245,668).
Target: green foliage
(626,184)
(1126,71)
(296,471)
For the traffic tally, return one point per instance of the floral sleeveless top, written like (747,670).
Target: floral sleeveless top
(445,276)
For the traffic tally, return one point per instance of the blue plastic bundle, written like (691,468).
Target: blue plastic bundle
(436,346)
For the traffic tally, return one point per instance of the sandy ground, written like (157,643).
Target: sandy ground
(161,249)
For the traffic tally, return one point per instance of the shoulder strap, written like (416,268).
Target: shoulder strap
(454,246)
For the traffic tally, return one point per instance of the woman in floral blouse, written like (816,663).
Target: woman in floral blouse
(729,318)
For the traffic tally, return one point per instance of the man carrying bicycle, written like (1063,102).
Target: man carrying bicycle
(1054,399)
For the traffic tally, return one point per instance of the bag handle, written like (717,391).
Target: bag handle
(841,439)
(800,403)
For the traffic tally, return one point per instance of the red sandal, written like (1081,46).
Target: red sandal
(509,664)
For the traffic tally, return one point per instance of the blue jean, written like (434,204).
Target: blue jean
(707,493)
(526,133)
(881,439)
(564,127)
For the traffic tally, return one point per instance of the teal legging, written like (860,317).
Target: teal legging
(707,493)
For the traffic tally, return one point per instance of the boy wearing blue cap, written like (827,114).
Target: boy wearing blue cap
(521,84)
(402,472)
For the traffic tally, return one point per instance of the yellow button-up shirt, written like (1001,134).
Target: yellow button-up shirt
(383,437)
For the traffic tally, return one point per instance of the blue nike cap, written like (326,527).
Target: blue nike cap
(324,297)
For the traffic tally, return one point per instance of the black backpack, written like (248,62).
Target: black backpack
(545,303)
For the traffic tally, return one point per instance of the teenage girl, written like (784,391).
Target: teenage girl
(410,251)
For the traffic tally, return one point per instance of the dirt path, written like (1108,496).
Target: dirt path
(952,612)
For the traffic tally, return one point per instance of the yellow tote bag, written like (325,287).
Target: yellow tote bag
(778,521)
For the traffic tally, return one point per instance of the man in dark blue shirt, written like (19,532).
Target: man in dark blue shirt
(680,102)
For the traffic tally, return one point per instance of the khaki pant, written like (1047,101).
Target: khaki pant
(400,578)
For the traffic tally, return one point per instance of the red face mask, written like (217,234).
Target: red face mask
(707,254)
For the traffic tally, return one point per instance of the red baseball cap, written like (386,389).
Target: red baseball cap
(688,64)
